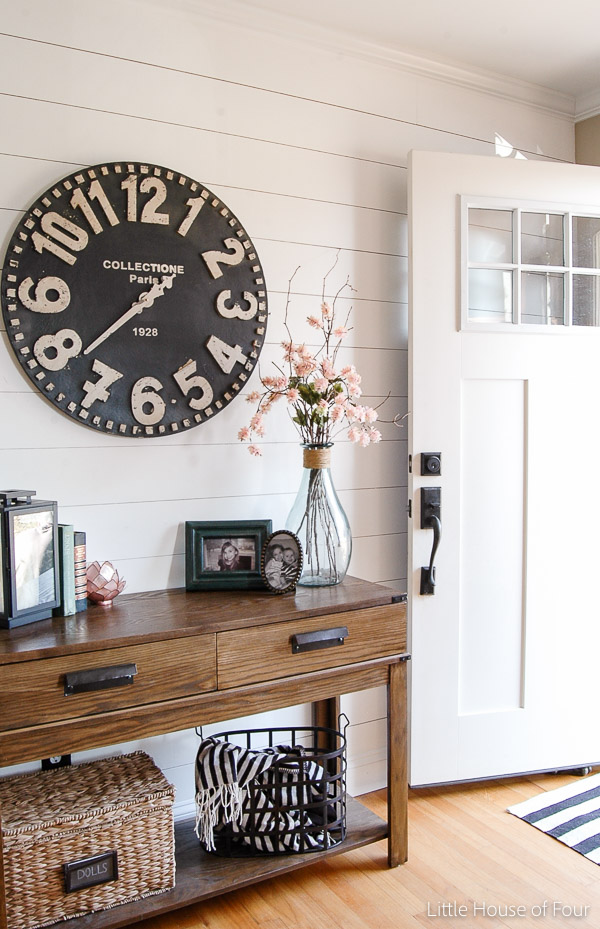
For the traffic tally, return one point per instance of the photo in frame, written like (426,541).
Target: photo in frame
(29,579)
(224,555)
(281,561)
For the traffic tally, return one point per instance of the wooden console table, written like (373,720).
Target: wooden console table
(200,658)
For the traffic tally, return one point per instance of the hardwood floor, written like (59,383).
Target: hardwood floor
(465,850)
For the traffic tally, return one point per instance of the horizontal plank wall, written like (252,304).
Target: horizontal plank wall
(306,141)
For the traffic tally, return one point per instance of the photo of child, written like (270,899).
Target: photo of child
(235,554)
(282,561)
(229,558)
(274,565)
(225,555)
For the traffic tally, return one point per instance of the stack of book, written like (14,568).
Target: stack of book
(72,570)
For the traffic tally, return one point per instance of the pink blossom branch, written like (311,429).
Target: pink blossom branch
(322,400)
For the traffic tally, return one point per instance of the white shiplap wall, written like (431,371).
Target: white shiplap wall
(307,142)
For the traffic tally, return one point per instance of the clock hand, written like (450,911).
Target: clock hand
(144,300)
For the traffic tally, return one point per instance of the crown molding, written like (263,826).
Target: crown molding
(293,28)
(498,85)
(587,105)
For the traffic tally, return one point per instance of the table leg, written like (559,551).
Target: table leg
(3,917)
(397,766)
(326,713)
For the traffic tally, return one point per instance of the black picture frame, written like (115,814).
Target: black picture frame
(29,567)
(208,564)
(279,572)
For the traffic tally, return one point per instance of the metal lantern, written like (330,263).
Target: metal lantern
(29,572)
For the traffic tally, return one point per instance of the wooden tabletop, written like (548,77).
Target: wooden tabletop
(155,615)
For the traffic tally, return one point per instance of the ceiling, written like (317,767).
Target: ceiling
(545,42)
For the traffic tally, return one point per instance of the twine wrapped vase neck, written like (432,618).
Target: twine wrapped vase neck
(316,456)
(318,519)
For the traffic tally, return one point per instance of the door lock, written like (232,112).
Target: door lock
(431,463)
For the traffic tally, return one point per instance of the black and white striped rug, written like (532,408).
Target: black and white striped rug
(571,814)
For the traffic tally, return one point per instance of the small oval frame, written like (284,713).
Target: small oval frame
(280,575)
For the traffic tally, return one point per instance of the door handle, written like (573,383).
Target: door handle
(431,511)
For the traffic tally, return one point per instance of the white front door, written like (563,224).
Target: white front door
(505,384)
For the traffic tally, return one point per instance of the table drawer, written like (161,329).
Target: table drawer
(265,653)
(33,692)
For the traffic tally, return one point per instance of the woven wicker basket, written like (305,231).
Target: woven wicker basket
(51,818)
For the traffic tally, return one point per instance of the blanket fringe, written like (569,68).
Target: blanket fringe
(217,805)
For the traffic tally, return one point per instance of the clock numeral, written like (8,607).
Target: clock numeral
(41,242)
(129,185)
(215,258)
(146,405)
(235,311)
(150,212)
(97,390)
(42,301)
(187,380)
(54,352)
(95,192)
(225,355)
(60,229)
(195,205)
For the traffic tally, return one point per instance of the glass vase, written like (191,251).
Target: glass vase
(318,519)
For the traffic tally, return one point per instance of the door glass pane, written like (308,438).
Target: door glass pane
(542,298)
(586,300)
(586,241)
(557,262)
(542,239)
(490,236)
(490,296)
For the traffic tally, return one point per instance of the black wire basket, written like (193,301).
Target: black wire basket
(295,804)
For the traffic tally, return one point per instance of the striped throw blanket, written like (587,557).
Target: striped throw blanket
(271,800)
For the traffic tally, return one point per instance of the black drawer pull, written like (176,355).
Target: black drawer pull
(324,638)
(118,675)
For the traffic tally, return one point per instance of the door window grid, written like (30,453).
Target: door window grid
(530,265)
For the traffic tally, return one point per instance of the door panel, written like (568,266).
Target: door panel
(504,652)
(492,530)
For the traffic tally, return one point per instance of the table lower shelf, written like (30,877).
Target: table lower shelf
(200,875)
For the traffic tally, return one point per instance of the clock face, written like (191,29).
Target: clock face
(134,299)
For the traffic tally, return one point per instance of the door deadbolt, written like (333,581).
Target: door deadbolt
(431,463)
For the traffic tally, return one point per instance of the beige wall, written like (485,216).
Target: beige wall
(587,141)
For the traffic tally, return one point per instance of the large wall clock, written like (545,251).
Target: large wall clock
(134,300)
